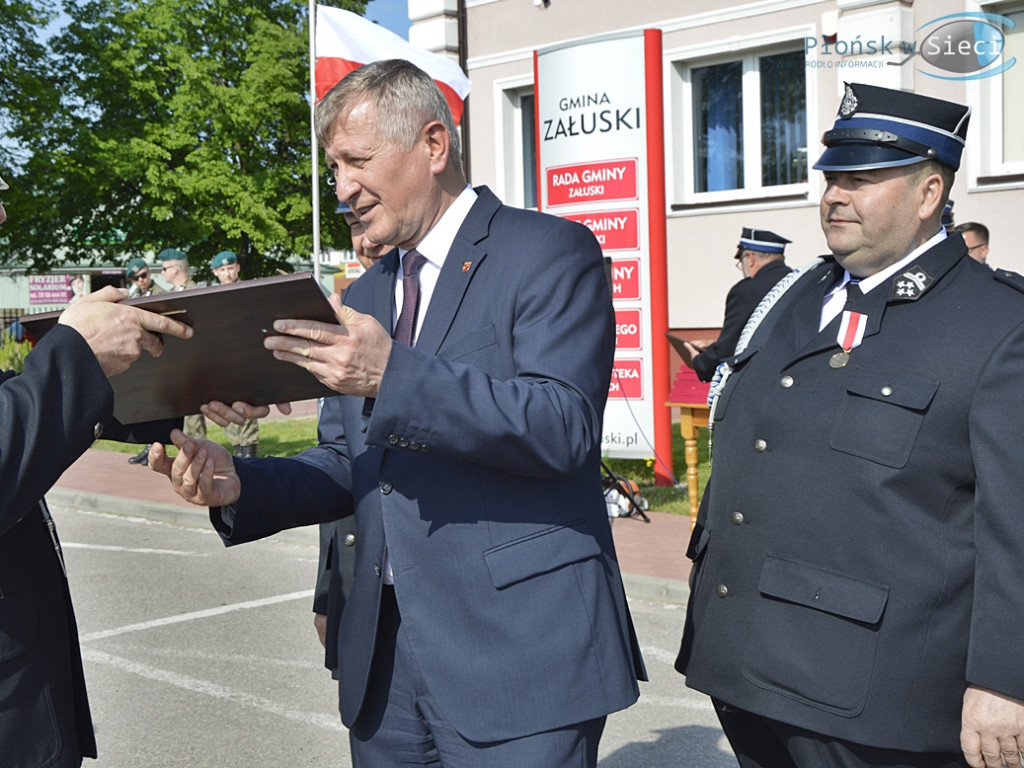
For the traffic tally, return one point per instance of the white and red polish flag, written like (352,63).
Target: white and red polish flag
(346,41)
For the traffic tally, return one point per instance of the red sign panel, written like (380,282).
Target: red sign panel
(614,230)
(627,329)
(627,380)
(625,279)
(585,182)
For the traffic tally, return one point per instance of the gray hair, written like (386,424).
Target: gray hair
(403,96)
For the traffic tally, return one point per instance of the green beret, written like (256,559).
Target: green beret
(223,258)
(172,254)
(134,267)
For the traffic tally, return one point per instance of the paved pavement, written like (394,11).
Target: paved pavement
(652,555)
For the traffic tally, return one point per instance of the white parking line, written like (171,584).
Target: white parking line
(193,615)
(195,685)
(133,550)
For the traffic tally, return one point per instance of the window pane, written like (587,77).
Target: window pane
(718,127)
(526,111)
(783,120)
(1013,87)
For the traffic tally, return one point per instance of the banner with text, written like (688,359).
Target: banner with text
(600,156)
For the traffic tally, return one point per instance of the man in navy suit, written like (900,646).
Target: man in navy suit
(51,413)
(487,624)
(858,596)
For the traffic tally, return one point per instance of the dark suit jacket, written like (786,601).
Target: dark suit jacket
(479,461)
(859,552)
(741,301)
(334,577)
(50,414)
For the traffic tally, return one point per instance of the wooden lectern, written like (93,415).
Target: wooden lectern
(690,395)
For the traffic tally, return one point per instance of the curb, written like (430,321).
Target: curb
(637,586)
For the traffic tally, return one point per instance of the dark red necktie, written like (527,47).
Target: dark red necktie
(405,328)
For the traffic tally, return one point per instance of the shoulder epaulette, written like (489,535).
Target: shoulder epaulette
(1014,279)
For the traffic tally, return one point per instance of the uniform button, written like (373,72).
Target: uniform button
(722,591)
(414,446)
(403,443)
(786,382)
(392,439)
(350,540)
(97,430)
(425,448)
(376,568)
(386,487)
(760,446)
(737,518)
(886,390)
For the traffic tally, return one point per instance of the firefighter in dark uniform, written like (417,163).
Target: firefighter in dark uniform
(858,595)
(760,255)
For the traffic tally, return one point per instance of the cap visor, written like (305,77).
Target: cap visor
(862,157)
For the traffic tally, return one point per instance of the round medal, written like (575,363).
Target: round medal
(839,359)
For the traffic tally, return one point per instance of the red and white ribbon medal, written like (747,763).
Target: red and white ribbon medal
(851,333)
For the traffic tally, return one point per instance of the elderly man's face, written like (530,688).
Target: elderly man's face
(395,193)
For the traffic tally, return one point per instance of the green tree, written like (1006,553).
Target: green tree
(183,123)
(25,78)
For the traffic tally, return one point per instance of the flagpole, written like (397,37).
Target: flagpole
(314,160)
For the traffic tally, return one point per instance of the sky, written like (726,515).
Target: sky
(393,14)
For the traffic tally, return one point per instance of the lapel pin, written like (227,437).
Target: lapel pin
(466,265)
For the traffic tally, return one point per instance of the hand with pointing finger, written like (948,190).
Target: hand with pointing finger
(116,333)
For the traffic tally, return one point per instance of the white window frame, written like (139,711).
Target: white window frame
(508,94)
(985,152)
(678,66)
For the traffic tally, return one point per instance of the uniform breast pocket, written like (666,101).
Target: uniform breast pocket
(881,416)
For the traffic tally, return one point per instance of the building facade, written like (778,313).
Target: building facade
(749,88)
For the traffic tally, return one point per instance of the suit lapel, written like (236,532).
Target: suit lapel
(467,253)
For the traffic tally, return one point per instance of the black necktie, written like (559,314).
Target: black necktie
(405,328)
(853,291)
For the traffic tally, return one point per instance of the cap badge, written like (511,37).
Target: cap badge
(849,105)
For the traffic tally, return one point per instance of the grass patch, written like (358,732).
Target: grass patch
(660,498)
(278,437)
(287,437)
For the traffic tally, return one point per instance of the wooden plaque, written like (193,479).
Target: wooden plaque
(225,359)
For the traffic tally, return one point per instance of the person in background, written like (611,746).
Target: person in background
(487,624)
(338,539)
(176,271)
(244,437)
(52,413)
(948,222)
(976,237)
(140,276)
(140,279)
(858,598)
(760,255)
